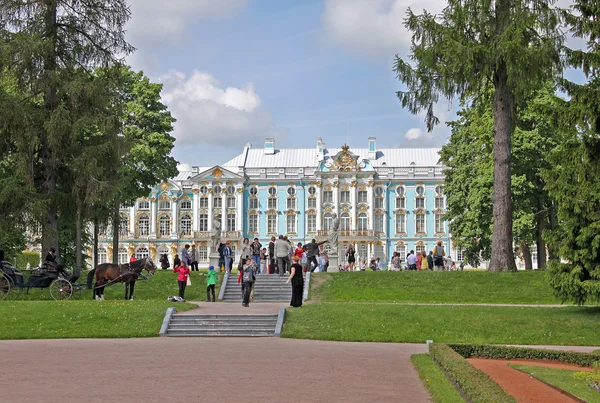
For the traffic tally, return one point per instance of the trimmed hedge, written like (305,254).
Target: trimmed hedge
(21,260)
(508,353)
(472,384)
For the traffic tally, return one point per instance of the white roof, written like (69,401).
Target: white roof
(307,157)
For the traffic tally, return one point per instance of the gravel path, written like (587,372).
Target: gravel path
(212,370)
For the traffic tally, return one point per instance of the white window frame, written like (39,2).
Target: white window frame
(424,229)
(203,222)
(363,222)
(271,223)
(328,196)
(440,223)
(185,224)
(290,224)
(231,222)
(311,223)
(143,230)
(400,223)
(253,223)
(253,203)
(164,225)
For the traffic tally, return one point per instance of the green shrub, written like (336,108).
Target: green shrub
(21,260)
(474,385)
(509,353)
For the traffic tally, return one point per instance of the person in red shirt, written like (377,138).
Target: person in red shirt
(299,251)
(132,259)
(182,277)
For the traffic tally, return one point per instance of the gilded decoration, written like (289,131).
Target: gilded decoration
(240,190)
(153,199)
(400,243)
(152,249)
(109,250)
(362,209)
(209,190)
(336,184)
(354,183)
(195,191)
(173,248)
(345,187)
(165,186)
(345,209)
(328,209)
(345,161)
(371,184)
(131,249)
(290,212)
(217,173)
(318,184)
(203,243)
(175,199)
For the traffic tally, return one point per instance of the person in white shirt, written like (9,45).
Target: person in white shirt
(411,261)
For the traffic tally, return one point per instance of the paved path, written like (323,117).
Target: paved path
(234,308)
(208,370)
(458,304)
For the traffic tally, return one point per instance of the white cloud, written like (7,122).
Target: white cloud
(184,167)
(373,27)
(208,113)
(162,22)
(414,133)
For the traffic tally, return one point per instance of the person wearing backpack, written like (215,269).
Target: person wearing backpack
(438,256)
(210,283)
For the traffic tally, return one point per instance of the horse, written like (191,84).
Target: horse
(109,273)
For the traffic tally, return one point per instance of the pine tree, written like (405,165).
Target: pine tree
(45,45)
(512,46)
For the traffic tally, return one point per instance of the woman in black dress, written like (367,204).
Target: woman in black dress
(297,283)
(350,252)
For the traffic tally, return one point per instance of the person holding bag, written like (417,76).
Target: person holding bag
(182,278)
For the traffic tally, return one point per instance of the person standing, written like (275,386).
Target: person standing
(164,262)
(228,259)
(255,247)
(350,252)
(430,260)
(248,276)
(282,251)
(419,260)
(411,261)
(424,261)
(299,251)
(246,249)
(297,283)
(438,256)
(211,281)
(185,255)
(182,276)
(396,264)
(313,250)
(263,261)
(194,258)
(272,256)
(220,249)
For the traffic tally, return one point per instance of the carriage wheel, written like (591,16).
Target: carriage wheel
(61,289)
(4,287)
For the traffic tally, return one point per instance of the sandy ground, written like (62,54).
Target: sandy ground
(204,369)
(520,385)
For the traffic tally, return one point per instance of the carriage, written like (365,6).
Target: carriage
(61,284)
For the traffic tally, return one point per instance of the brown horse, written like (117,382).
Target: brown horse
(109,273)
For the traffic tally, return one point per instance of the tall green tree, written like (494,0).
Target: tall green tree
(512,46)
(44,44)
(469,178)
(575,179)
(147,126)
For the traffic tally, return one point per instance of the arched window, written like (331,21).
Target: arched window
(363,222)
(327,221)
(164,225)
(312,190)
(217,190)
(420,247)
(141,253)
(231,189)
(253,191)
(185,224)
(345,222)
(123,255)
(400,191)
(102,256)
(291,191)
(124,225)
(143,225)
(272,191)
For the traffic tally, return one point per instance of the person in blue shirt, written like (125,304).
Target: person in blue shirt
(227,257)
(185,255)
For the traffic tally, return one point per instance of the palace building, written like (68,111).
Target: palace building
(387,199)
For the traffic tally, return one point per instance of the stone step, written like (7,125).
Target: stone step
(224,316)
(236,327)
(221,334)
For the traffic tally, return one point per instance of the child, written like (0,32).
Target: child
(182,277)
(263,261)
(379,264)
(363,264)
(210,283)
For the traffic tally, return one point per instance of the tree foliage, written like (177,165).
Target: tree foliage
(511,46)
(575,179)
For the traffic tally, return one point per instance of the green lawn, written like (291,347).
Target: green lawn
(82,319)
(562,379)
(444,324)
(438,386)
(433,287)
(157,287)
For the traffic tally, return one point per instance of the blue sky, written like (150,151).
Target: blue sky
(238,71)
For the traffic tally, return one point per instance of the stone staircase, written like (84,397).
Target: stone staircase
(182,325)
(267,288)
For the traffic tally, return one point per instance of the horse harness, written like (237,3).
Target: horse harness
(127,274)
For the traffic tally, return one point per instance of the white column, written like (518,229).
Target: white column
(224,214)
(239,203)
(174,229)
(353,217)
(195,210)
(153,202)
(371,201)
(319,208)
(336,198)
(132,220)
(211,205)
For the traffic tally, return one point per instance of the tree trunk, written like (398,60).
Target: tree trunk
(95,247)
(115,229)
(540,243)
(502,258)
(527,256)
(78,257)
(50,224)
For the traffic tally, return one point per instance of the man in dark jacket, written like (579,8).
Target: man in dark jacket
(272,255)
(430,260)
(312,251)
(221,256)
(1,254)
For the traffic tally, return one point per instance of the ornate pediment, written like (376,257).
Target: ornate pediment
(217,173)
(345,161)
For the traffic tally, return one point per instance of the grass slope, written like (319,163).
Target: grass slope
(433,287)
(438,386)
(562,379)
(82,319)
(444,324)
